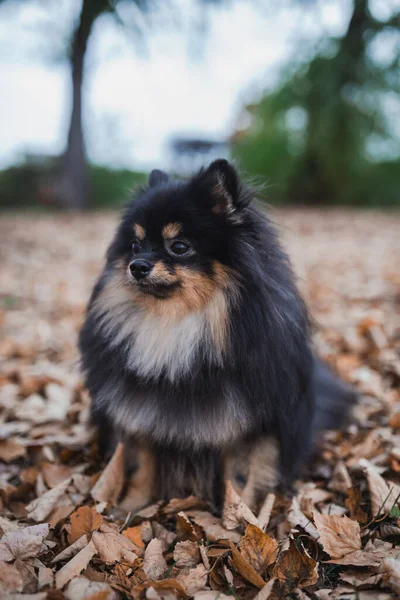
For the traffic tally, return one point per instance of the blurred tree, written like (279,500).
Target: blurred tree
(313,135)
(72,185)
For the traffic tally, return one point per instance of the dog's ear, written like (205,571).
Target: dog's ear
(157,177)
(225,190)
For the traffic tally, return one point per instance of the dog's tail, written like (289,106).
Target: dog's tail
(334,399)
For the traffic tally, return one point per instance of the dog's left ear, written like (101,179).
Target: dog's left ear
(157,177)
(225,190)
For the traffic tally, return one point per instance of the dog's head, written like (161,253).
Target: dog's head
(178,240)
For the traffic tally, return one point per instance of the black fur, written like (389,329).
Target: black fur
(267,376)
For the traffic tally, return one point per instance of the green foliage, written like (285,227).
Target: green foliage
(30,185)
(311,138)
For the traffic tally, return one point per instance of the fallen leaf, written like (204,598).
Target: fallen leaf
(391,570)
(339,535)
(353,503)
(28,574)
(154,563)
(295,567)
(235,511)
(340,480)
(40,508)
(81,588)
(266,591)
(11,450)
(211,595)
(258,548)
(112,546)
(10,579)
(85,520)
(71,550)
(166,585)
(265,512)
(186,530)
(194,580)
(212,527)
(135,535)
(45,577)
(165,536)
(109,485)
(381,494)
(74,567)
(245,568)
(53,475)
(58,514)
(297,517)
(187,554)
(23,543)
(178,504)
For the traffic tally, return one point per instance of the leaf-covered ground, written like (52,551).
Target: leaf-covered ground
(63,533)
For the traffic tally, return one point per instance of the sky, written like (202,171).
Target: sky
(136,100)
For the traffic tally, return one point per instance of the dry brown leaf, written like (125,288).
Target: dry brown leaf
(45,577)
(28,574)
(166,585)
(112,546)
(353,503)
(58,514)
(235,511)
(186,530)
(53,475)
(391,570)
(81,588)
(339,535)
(85,520)
(245,568)
(40,508)
(193,581)
(165,536)
(71,550)
(23,543)
(297,517)
(295,567)
(211,595)
(340,480)
(212,527)
(178,504)
(154,563)
(11,450)
(381,494)
(266,591)
(109,485)
(187,554)
(10,579)
(265,512)
(258,548)
(75,566)
(134,534)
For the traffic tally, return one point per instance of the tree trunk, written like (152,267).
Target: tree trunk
(73,192)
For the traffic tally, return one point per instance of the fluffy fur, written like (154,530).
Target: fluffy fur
(209,350)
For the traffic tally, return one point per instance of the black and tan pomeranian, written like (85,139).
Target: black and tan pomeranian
(196,344)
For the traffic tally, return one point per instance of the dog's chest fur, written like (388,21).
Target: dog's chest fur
(163,343)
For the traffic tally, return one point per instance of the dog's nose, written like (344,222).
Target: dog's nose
(140,268)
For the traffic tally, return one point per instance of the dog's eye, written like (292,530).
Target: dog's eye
(179,248)
(136,247)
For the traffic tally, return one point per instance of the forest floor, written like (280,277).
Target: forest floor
(63,533)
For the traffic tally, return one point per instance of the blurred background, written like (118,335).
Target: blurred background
(303,94)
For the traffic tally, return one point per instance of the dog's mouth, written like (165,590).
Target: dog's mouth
(158,289)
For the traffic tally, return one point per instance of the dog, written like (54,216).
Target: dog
(196,343)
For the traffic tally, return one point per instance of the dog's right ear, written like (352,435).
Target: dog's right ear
(157,177)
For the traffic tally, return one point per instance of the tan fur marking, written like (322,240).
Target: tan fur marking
(140,232)
(166,332)
(172,230)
